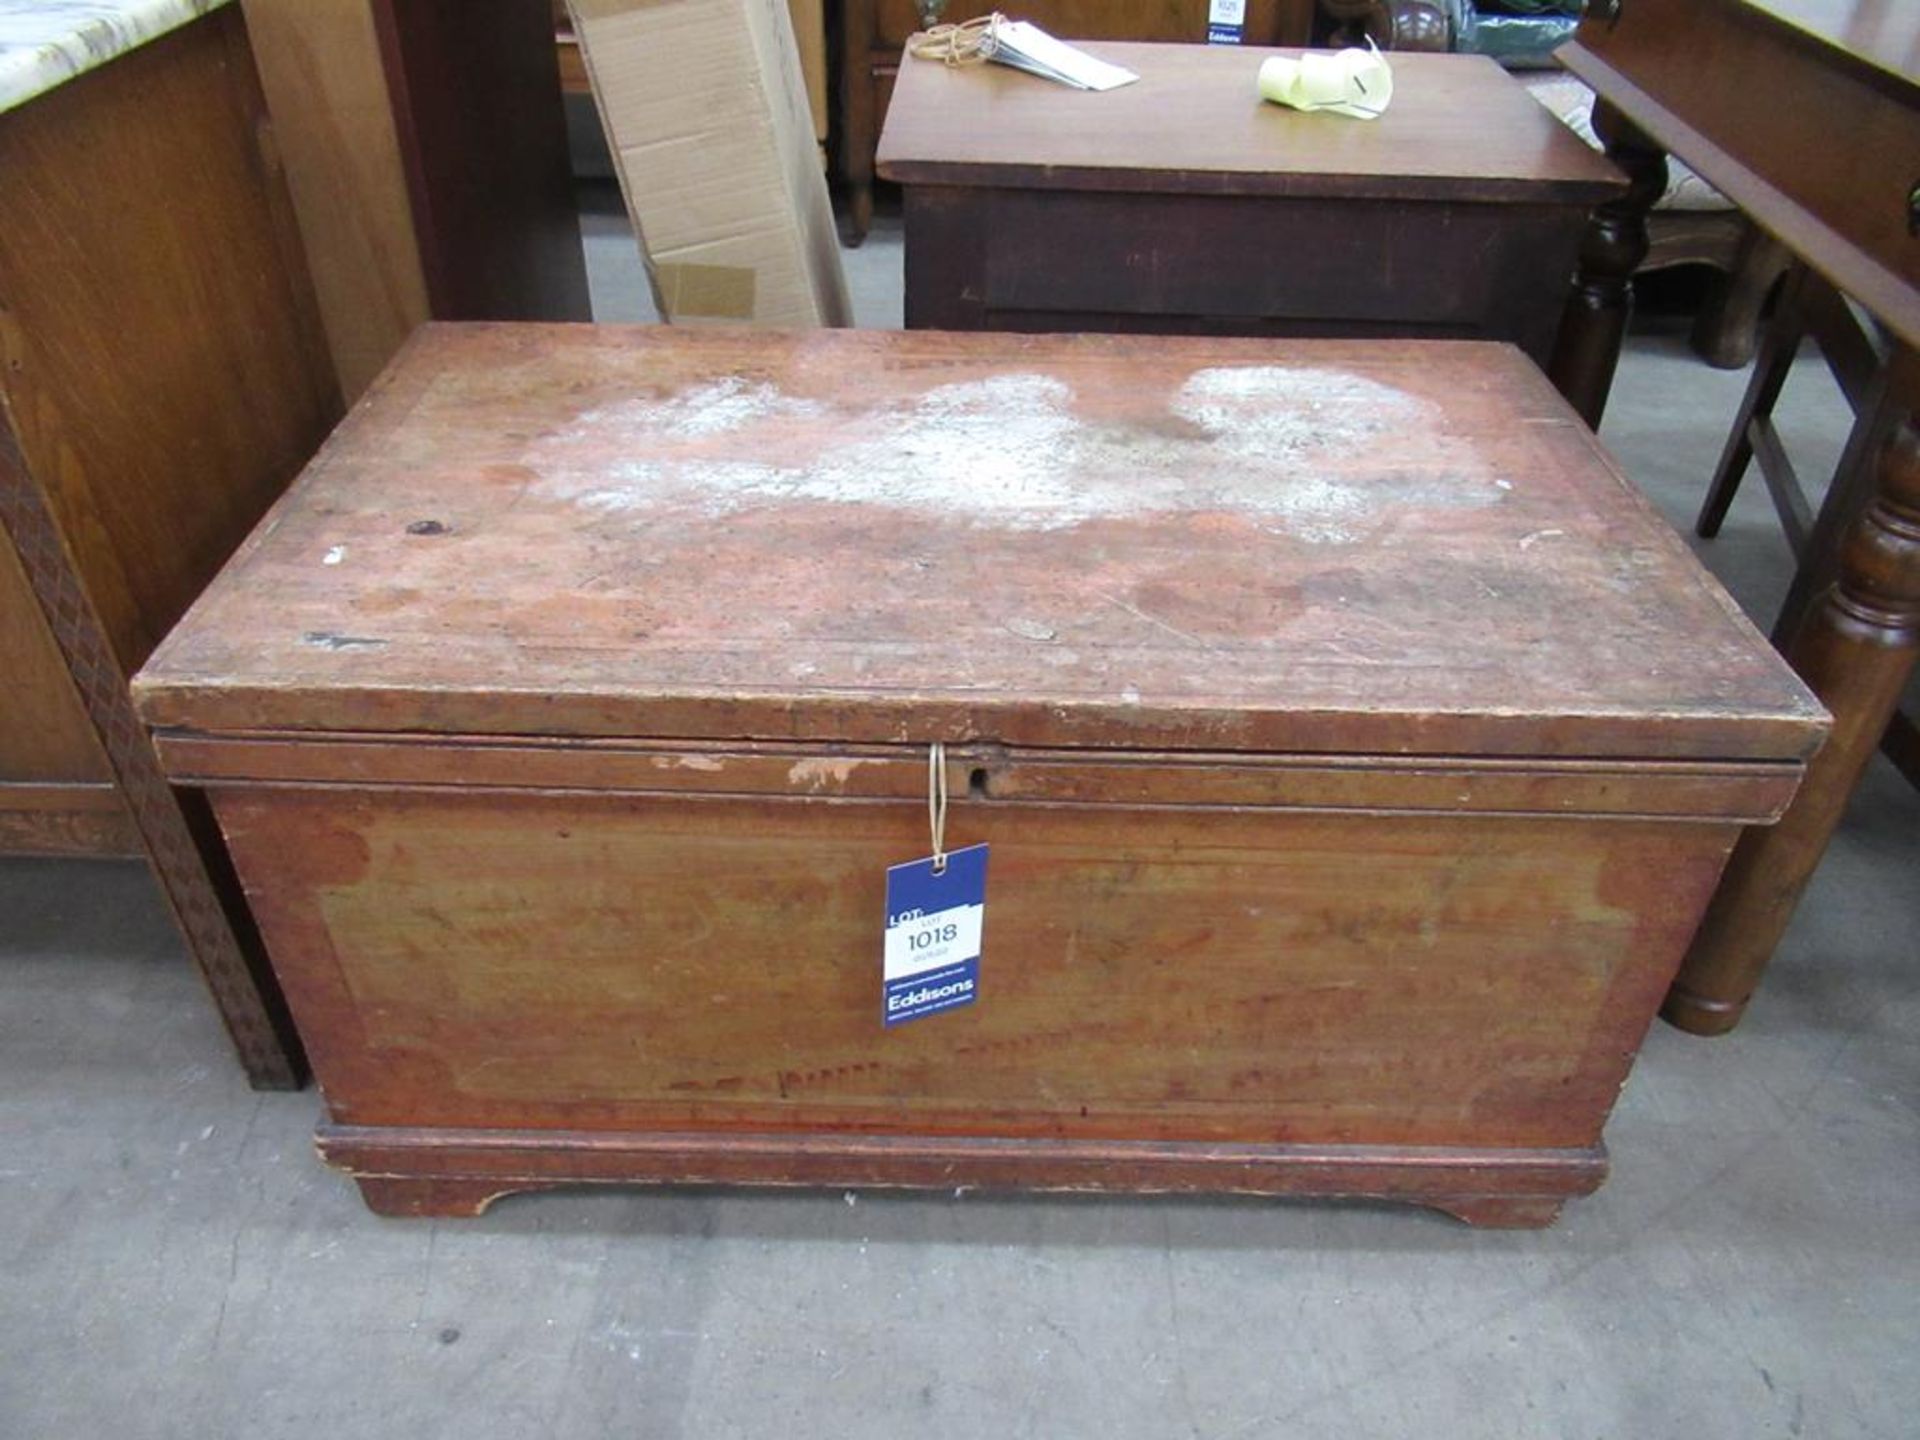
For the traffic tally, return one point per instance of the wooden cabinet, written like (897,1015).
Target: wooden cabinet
(57,795)
(873,33)
(1181,205)
(163,375)
(1356,751)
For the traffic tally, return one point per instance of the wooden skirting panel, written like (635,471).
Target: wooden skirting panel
(419,1172)
(67,819)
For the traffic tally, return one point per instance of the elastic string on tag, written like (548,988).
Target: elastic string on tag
(937,804)
(968,43)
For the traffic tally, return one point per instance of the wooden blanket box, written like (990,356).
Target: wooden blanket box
(1356,750)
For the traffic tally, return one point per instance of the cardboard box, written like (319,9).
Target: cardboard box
(706,112)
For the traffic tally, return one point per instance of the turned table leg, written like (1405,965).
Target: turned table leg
(859,213)
(1856,650)
(1588,347)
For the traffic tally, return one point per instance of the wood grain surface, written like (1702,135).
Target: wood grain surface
(426,1172)
(56,790)
(1112,261)
(1369,548)
(1751,792)
(333,120)
(81,819)
(1883,35)
(499,960)
(512,715)
(479,116)
(169,374)
(163,374)
(1857,648)
(1459,128)
(1267,22)
(45,736)
(1704,79)
(872,34)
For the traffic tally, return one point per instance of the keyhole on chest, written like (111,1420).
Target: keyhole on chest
(977,782)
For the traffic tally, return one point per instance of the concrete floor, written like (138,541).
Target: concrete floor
(174,1262)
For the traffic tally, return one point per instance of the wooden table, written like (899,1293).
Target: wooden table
(1185,204)
(874,32)
(1806,114)
(163,374)
(1356,749)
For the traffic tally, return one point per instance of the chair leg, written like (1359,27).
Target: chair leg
(1726,329)
(1777,349)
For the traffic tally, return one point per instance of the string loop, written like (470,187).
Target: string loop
(971,42)
(937,804)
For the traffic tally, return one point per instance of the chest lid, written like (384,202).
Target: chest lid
(1306,547)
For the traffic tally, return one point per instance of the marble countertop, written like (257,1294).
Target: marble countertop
(45,43)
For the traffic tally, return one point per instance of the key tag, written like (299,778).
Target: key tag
(936,910)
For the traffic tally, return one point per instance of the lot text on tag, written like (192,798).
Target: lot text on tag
(934,928)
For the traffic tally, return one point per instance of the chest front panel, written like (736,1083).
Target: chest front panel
(647,962)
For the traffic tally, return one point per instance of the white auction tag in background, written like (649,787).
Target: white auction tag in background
(934,925)
(1028,47)
(1226,21)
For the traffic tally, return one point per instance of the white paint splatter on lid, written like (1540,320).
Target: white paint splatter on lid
(1290,446)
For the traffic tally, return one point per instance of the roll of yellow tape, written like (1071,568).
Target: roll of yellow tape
(1357,83)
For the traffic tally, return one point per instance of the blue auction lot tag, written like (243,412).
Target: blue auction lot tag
(1226,22)
(934,924)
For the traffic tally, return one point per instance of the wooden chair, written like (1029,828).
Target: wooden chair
(1860,359)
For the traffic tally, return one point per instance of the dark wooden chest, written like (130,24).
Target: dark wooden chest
(1356,750)
(1184,204)
(874,34)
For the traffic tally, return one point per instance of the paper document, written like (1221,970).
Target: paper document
(1028,47)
